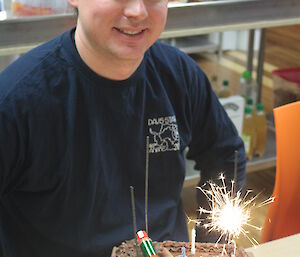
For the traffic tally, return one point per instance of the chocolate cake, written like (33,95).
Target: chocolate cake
(128,248)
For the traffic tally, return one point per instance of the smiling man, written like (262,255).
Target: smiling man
(118,33)
(74,116)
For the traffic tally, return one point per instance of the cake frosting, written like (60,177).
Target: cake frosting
(128,248)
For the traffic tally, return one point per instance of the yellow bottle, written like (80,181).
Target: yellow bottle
(225,91)
(261,130)
(249,103)
(249,133)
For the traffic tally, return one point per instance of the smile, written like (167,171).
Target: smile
(131,32)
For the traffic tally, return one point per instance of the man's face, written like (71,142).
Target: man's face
(122,29)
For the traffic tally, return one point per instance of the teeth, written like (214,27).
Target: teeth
(131,32)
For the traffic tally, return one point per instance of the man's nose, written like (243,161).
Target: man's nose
(136,9)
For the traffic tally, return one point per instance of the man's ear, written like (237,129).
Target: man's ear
(73,3)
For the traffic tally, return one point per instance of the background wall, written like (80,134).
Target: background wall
(236,40)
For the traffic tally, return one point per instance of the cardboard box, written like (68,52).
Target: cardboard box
(235,106)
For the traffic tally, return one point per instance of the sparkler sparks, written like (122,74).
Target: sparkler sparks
(230,212)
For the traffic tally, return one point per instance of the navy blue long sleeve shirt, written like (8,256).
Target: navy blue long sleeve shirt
(73,142)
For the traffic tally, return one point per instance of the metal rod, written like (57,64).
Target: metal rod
(134,218)
(220,47)
(235,169)
(260,65)
(146,183)
(133,209)
(250,50)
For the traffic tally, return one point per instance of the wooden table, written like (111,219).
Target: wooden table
(284,247)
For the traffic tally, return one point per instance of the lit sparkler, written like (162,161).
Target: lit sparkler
(230,212)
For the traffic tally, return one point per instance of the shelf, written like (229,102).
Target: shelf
(188,19)
(21,34)
(194,44)
(256,164)
(217,16)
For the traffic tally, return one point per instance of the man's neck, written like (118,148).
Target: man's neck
(106,65)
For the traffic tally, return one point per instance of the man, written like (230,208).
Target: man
(74,117)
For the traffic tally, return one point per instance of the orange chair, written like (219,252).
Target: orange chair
(283,217)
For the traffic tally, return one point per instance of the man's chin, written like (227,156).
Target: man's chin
(132,55)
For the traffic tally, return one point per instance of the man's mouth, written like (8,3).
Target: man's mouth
(131,32)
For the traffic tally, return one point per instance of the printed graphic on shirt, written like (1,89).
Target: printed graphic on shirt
(164,134)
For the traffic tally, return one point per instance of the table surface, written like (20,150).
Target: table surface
(284,247)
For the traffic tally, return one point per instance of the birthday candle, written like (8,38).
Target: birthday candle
(145,244)
(193,250)
(183,251)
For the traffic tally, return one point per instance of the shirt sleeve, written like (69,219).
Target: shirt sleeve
(214,136)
